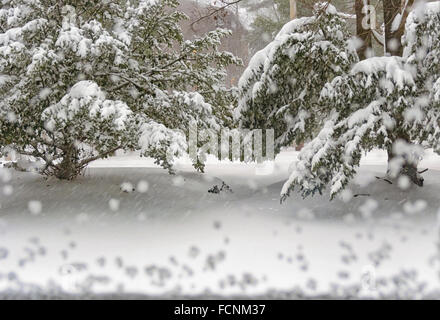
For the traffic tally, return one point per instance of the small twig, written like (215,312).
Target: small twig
(384,179)
(362,195)
(213,12)
(423,171)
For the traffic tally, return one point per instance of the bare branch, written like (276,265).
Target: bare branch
(215,11)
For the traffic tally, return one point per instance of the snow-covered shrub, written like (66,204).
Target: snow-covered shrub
(83,127)
(90,65)
(280,88)
(383,102)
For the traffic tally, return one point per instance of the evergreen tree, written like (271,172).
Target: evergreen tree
(281,87)
(389,103)
(422,53)
(80,79)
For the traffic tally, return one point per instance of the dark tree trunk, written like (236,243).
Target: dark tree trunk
(362,33)
(68,169)
(392,8)
(408,169)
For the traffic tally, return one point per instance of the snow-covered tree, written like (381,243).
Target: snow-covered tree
(81,79)
(389,103)
(280,89)
(421,43)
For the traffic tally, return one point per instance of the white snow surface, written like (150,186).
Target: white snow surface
(90,238)
(84,89)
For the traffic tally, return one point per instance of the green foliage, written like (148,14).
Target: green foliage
(131,52)
(390,103)
(280,89)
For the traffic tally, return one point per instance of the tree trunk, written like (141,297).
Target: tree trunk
(68,168)
(409,166)
(293,10)
(408,169)
(395,28)
(363,33)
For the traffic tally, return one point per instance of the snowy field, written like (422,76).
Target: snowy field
(169,237)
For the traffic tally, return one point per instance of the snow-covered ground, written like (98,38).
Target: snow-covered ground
(170,237)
